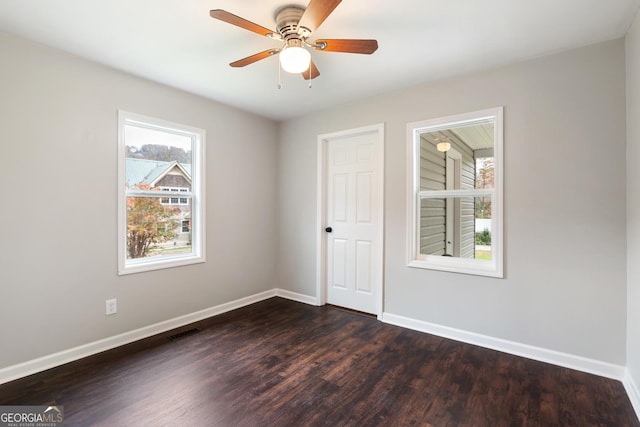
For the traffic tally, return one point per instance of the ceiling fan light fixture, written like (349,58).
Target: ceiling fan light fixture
(295,59)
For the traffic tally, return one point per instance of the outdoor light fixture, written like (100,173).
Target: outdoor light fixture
(443,146)
(295,59)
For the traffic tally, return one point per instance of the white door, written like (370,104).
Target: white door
(353,233)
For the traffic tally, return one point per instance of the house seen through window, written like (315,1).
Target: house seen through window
(161,198)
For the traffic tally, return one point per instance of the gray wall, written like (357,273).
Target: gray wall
(633,201)
(564,115)
(58,258)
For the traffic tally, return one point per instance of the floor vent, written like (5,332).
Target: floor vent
(184,334)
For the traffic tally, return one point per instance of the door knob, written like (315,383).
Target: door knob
(328,229)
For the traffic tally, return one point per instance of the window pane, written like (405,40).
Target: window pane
(155,230)
(157,160)
(450,226)
(460,158)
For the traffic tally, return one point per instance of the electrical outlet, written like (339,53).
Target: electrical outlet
(112,306)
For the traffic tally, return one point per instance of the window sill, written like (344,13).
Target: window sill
(148,264)
(459,265)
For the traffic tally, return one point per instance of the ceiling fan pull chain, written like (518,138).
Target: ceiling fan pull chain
(279,81)
(309,76)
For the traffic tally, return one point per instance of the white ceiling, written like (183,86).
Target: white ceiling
(177,43)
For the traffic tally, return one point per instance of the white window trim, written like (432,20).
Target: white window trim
(493,268)
(197,195)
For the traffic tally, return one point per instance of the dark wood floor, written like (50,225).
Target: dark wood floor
(281,363)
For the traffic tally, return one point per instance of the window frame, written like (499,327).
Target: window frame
(196,195)
(492,268)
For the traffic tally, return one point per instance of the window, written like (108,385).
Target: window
(174,200)
(455,193)
(161,194)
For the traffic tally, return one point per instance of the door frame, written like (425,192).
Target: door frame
(453,178)
(321,241)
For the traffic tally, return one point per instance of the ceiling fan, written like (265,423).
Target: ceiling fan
(294,25)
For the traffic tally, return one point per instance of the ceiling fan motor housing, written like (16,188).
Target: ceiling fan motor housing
(287,19)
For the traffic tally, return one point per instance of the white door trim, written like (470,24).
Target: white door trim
(321,253)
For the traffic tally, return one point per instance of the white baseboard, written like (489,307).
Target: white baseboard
(633,391)
(566,360)
(20,370)
(294,296)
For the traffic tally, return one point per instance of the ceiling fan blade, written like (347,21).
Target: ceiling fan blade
(230,18)
(312,72)
(347,45)
(254,58)
(317,11)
